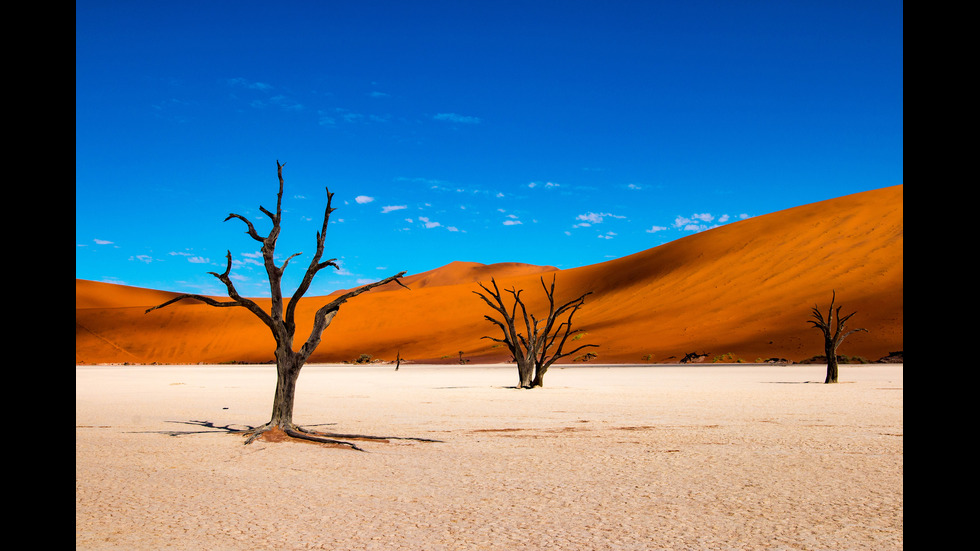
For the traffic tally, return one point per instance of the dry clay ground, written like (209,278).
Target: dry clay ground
(635,458)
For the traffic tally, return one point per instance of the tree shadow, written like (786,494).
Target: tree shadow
(804,382)
(208,427)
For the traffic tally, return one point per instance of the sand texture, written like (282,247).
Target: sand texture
(745,288)
(602,458)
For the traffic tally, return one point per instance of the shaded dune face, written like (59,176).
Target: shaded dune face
(745,288)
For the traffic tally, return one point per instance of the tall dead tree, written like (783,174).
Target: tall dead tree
(832,328)
(538,346)
(289,361)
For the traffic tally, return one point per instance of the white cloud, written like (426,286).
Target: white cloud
(142,258)
(596,217)
(512,222)
(695,223)
(324,119)
(453,117)
(655,229)
(390,208)
(286,103)
(428,223)
(102,242)
(195,259)
(252,258)
(249,84)
(633,186)
(361,199)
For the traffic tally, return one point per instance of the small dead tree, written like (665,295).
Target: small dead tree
(289,361)
(539,346)
(832,328)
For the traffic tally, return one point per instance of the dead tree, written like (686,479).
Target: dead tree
(832,328)
(281,322)
(538,347)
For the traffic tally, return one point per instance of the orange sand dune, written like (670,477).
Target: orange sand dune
(456,273)
(745,288)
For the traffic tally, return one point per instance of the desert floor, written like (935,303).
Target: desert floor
(633,458)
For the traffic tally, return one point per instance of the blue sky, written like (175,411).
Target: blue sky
(552,133)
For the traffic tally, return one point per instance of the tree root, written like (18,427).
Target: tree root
(300,433)
(292,431)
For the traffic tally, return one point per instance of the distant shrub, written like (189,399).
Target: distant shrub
(821,359)
(727,358)
(363,359)
(586,357)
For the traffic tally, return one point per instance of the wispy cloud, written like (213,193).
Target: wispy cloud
(286,103)
(251,85)
(702,221)
(546,185)
(362,199)
(391,208)
(590,218)
(254,258)
(511,219)
(102,242)
(428,223)
(432,182)
(281,101)
(696,222)
(454,117)
(339,114)
(191,257)
(655,229)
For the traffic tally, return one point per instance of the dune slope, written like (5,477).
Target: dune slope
(745,288)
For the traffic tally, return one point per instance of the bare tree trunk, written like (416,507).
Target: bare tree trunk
(280,321)
(832,367)
(539,376)
(832,327)
(287,369)
(525,373)
(530,349)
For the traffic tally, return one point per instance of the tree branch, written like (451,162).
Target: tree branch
(326,313)
(251,229)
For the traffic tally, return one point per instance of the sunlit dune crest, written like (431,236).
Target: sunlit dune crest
(745,288)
